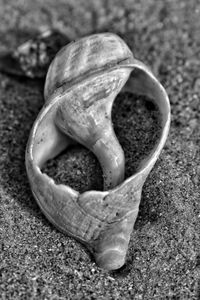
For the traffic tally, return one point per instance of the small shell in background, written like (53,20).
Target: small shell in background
(32,58)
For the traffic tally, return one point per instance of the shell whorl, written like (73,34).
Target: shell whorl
(87,56)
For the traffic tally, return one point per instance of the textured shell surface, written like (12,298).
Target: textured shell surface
(85,57)
(81,85)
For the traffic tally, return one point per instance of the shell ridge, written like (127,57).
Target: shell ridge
(108,207)
(66,227)
(64,87)
(40,193)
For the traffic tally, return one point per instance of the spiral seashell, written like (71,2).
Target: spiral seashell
(81,85)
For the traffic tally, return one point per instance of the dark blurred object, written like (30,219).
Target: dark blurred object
(32,58)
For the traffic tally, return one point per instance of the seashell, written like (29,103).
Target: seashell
(81,85)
